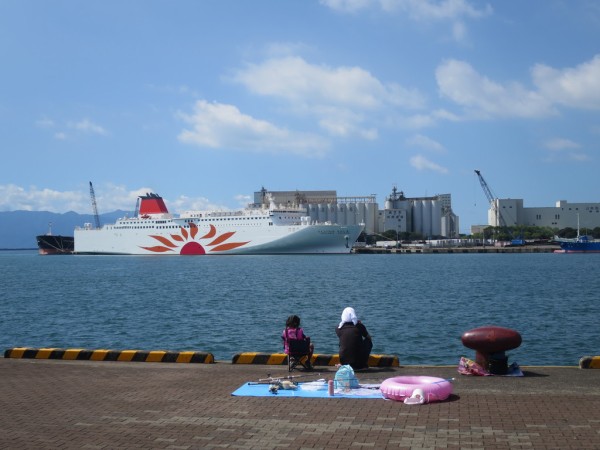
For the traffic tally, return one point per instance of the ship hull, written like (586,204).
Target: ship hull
(218,240)
(49,244)
(579,247)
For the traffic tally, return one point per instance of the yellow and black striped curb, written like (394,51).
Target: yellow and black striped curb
(317,360)
(79,354)
(589,362)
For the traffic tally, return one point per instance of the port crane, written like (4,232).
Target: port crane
(94,206)
(492,199)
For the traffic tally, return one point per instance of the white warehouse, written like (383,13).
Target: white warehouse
(561,216)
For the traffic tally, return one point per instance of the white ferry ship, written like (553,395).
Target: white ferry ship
(254,230)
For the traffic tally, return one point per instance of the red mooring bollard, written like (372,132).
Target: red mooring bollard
(490,343)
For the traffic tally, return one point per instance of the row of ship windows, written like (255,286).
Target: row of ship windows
(221,220)
(232,218)
(208,220)
(157,227)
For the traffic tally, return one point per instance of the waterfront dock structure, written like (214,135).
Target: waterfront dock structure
(89,404)
(426,249)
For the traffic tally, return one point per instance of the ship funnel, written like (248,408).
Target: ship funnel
(152,204)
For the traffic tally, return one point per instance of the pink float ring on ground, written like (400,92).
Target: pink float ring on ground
(400,388)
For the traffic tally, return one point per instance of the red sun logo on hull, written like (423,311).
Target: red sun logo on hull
(187,244)
(192,248)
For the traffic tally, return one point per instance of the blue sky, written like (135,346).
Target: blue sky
(205,102)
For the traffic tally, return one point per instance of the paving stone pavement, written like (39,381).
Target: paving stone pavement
(121,405)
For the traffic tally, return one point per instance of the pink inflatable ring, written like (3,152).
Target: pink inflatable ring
(400,388)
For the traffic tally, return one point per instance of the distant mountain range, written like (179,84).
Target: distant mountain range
(18,229)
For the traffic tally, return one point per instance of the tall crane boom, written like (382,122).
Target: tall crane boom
(491,198)
(94,206)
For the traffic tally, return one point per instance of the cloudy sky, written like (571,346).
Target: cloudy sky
(205,102)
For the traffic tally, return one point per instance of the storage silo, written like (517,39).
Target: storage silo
(332,213)
(361,211)
(351,214)
(341,213)
(371,217)
(322,208)
(313,212)
(417,214)
(426,205)
(436,218)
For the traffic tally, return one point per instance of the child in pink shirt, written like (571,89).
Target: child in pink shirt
(293,331)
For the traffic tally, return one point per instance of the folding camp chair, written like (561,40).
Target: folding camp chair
(299,349)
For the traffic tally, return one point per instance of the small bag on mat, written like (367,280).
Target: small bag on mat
(345,378)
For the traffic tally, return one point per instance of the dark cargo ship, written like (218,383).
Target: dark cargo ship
(50,244)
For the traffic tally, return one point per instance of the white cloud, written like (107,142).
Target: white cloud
(294,79)
(483,98)
(342,127)
(109,197)
(185,203)
(564,157)
(217,125)
(243,200)
(417,121)
(87,126)
(346,101)
(425,143)
(577,87)
(83,126)
(560,144)
(459,31)
(181,89)
(349,6)
(420,11)
(436,10)
(281,49)
(44,122)
(419,162)
(446,115)
(416,9)
(15,198)
(561,149)
(579,156)
(420,121)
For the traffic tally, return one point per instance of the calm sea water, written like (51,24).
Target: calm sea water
(415,306)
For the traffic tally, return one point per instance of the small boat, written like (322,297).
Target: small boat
(50,244)
(580,244)
(255,230)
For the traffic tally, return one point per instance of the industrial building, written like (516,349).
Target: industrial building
(429,216)
(511,212)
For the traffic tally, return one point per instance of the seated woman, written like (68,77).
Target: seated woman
(355,341)
(294,332)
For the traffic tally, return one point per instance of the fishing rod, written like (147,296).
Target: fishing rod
(271,379)
(283,382)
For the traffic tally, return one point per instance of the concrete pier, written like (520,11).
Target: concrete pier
(72,404)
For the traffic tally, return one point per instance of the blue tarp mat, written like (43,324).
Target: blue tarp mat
(313,389)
